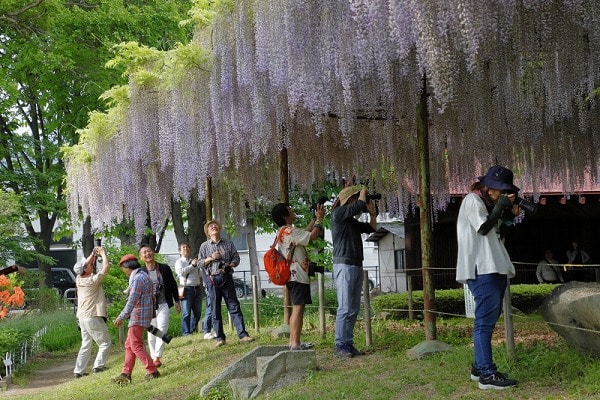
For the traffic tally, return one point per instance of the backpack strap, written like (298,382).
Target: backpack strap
(276,238)
(290,253)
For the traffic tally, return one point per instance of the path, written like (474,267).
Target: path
(56,371)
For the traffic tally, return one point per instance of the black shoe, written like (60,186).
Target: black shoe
(76,375)
(99,369)
(342,352)
(497,381)
(475,374)
(153,375)
(122,379)
(355,351)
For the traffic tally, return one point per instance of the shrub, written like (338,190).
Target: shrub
(525,298)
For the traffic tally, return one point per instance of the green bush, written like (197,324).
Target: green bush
(525,298)
(529,298)
(44,300)
(11,339)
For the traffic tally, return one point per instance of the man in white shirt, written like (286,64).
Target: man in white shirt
(189,278)
(91,313)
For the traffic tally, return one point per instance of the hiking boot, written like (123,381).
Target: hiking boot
(355,351)
(122,379)
(342,352)
(99,369)
(220,342)
(497,381)
(151,376)
(246,339)
(475,374)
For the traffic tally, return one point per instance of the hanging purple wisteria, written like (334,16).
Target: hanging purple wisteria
(337,83)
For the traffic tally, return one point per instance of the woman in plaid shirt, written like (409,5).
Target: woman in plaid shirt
(139,309)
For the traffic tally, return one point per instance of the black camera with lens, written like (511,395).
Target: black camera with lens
(313,268)
(157,290)
(158,333)
(373,196)
(527,206)
(97,243)
(225,269)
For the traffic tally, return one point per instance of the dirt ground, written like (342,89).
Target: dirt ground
(56,371)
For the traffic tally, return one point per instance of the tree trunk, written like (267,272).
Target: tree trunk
(196,212)
(45,235)
(87,238)
(149,239)
(177,218)
(196,216)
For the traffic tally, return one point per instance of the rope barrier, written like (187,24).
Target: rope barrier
(441,313)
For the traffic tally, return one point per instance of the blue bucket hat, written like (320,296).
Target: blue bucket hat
(499,178)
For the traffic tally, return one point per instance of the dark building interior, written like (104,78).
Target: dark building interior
(557,222)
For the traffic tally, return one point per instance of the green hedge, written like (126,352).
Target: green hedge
(525,298)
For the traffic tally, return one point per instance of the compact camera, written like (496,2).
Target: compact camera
(158,333)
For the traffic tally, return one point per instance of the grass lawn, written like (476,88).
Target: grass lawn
(544,366)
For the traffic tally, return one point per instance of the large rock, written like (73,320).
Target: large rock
(573,311)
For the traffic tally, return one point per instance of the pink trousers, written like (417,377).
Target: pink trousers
(134,347)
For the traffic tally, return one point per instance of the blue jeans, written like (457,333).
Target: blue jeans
(488,291)
(348,284)
(207,323)
(191,309)
(226,292)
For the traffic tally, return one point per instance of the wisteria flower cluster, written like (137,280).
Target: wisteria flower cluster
(338,83)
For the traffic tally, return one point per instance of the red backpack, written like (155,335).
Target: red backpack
(277,265)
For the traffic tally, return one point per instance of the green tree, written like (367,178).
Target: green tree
(14,241)
(51,75)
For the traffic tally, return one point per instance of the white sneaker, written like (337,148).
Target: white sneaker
(208,336)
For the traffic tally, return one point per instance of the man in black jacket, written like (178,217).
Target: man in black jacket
(348,257)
